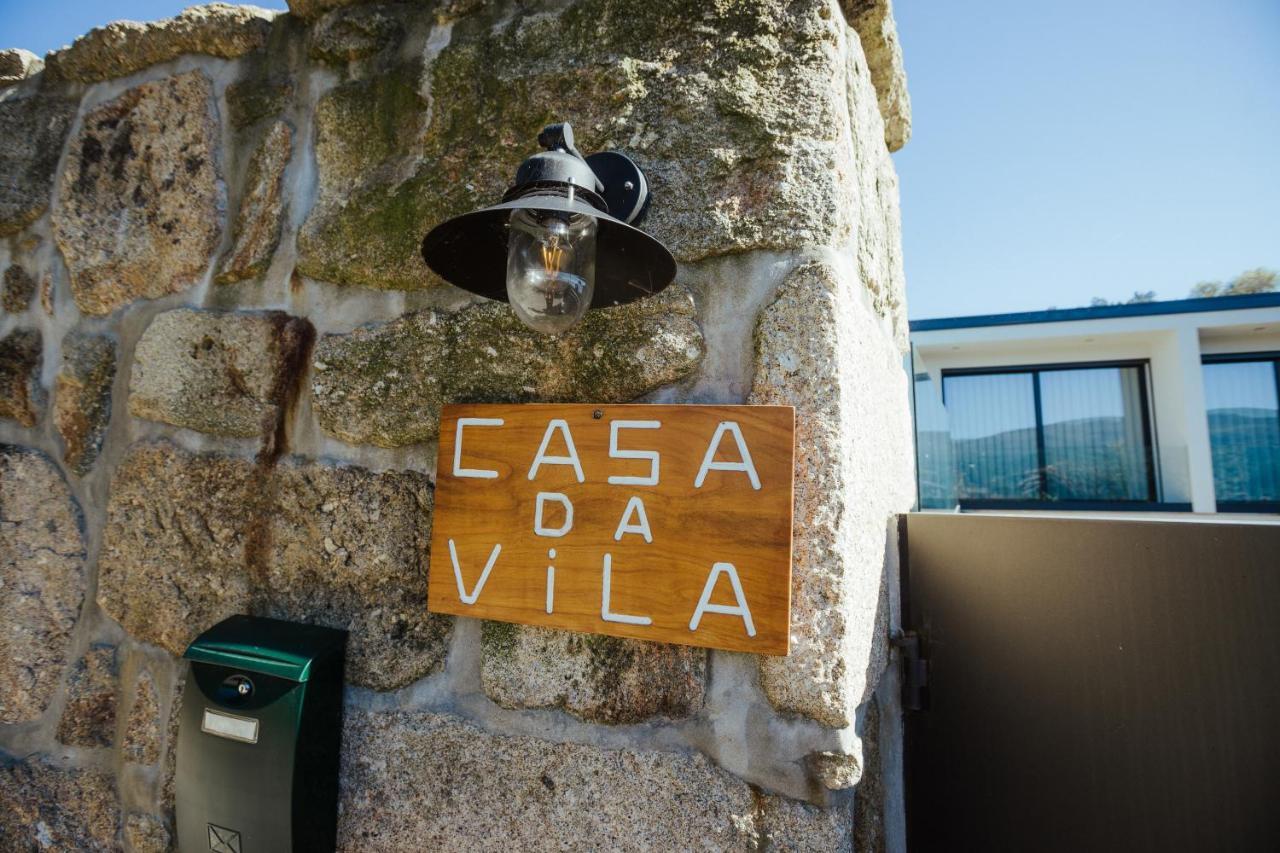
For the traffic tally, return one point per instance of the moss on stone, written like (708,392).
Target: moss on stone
(256,98)
(735,119)
(603,679)
(21,395)
(499,638)
(345,35)
(609,659)
(385,384)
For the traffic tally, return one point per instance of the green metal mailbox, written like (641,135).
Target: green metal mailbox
(259,736)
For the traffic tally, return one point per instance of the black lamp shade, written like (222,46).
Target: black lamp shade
(470,251)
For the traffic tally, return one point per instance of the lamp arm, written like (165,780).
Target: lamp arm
(559,137)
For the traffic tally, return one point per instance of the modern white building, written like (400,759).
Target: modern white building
(1154,406)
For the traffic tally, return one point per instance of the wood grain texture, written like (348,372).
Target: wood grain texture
(724,521)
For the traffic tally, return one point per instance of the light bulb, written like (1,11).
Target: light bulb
(551,268)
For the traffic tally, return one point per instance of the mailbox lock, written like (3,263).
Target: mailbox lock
(237,688)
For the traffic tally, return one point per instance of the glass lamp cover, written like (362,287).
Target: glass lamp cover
(551,267)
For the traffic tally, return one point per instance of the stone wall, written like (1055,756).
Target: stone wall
(222,364)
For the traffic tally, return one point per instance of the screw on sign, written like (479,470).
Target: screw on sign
(668,523)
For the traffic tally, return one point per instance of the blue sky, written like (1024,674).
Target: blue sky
(42,27)
(1060,151)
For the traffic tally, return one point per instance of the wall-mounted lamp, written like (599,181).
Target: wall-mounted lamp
(561,241)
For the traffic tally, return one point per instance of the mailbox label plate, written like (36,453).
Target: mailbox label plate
(244,729)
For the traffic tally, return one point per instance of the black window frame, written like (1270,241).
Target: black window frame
(1273,356)
(1151,503)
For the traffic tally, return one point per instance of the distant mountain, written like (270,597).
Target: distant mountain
(1242,416)
(1246,454)
(1093,459)
(1085,459)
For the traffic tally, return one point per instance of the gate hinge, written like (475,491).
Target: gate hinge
(915,671)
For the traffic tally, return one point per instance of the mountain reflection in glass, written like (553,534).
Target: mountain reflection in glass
(1244,430)
(1094,447)
(993,435)
(1061,434)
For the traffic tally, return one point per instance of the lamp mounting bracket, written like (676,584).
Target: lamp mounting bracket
(611,174)
(626,192)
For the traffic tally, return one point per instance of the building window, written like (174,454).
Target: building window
(1242,395)
(1076,434)
(935,465)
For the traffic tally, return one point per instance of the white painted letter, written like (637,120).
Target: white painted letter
(615,453)
(637,506)
(709,463)
(604,600)
(543,497)
(470,597)
(551,581)
(705,605)
(458,470)
(542,458)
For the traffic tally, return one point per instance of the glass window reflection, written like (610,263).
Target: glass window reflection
(1051,434)
(1244,430)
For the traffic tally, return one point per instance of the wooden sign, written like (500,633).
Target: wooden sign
(668,523)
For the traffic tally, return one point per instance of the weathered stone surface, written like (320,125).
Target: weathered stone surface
(192,539)
(413,780)
(19,287)
(835,771)
(41,580)
(123,47)
(168,773)
(362,130)
(795,827)
(820,349)
(253,99)
(21,396)
(89,717)
(33,130)
(82,397)
(735,111)
(145,834)
(315,8)
(257,228)
(346,34)
(17,64)
(596,678)
(141,743)
(349,549)
(141,203)
(878,249)
(43,807)
(174,549)
(385,384)
(878,32)
(870,801)
(221,373)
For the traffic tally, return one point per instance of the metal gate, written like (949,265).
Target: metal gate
(1089,684)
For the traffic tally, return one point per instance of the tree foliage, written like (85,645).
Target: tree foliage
(1139,296)
(1260,280)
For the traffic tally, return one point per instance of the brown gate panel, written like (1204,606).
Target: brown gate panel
(1093,684)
